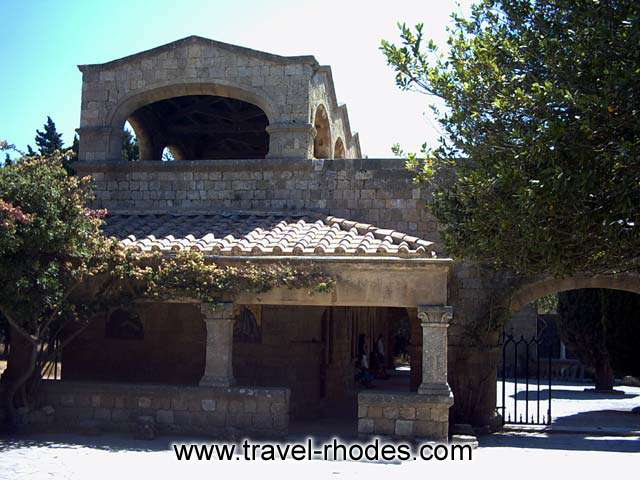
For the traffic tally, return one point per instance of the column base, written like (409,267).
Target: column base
(436,389)
(207,381)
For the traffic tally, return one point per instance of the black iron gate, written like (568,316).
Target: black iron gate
(524,373)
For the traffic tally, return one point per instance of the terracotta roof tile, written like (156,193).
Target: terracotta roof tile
(261,234)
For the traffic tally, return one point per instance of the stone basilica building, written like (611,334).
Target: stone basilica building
(265,168)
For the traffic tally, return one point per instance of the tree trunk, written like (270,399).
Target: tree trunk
(18,376)
(604,375)
(18,358)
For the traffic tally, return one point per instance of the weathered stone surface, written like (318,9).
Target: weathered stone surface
(365,425)
(404,428)
(290,91)
(405,414)
(219,410)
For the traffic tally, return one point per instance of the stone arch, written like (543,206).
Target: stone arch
(539,288)
(125,109)
(322,141)
(338,149)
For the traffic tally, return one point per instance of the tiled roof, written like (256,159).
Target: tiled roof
(261,234)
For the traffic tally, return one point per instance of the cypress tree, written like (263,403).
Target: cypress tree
(49,140)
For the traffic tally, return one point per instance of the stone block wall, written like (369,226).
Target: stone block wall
(171,350)
(288,354)
(403,415)
(219,412)
(376,191)
(280,86)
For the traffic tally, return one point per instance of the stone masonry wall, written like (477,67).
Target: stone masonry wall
(171,350)
(380,191)
(289,354)
(219,412)
(376,191)
(404,415)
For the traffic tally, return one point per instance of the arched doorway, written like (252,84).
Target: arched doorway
(569,354)
(322,141)
(201,127)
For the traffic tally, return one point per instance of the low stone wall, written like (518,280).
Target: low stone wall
(218,412)
(403,414)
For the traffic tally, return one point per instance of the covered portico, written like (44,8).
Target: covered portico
(186,374)
(418,284)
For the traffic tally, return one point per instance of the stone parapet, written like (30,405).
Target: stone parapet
(403,415)
(218,412)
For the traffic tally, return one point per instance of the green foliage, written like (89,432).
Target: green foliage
(49,140)
(75,146)
(58,270)
(51,245)
(130,149)
(49,240)
(538,170)
(547,304)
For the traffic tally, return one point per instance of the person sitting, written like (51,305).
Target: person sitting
(381,371)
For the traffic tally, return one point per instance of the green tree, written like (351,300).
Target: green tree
(130,150)
(49,140)
(538,168)
(58,270)
(75,146)
(50,244)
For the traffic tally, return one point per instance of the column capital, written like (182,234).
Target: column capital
(435,314)
(217,311)
(279,127)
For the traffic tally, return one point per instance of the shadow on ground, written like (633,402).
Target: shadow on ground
(561,394)
(601,418)
(112,443)
(557,441)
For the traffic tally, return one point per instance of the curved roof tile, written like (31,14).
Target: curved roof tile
(252,233)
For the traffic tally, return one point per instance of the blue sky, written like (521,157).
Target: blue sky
(42,42)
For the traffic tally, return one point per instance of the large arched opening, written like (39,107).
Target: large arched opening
(569,353)
(194,121)
(201,127)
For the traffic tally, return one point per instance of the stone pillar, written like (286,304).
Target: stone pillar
(291,140)
(218,368)
(96,143)
(435,321)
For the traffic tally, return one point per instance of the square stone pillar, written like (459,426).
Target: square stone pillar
(218,368)
(434,320)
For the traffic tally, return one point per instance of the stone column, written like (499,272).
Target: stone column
(218,368)
(291,140)
(434,320)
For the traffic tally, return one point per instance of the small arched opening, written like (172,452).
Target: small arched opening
(322,140)
(338,150)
